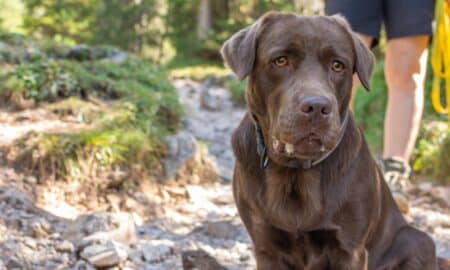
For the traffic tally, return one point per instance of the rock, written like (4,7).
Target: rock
(30,242)
(103,255)
(135,256)
(201,260)
(65,246)
(119,57)
(215,98)
(31,180)
(16,198)
(82,265)
(79,52)
(442,193)
(180,148)
(32,54)
(157,250)
(40,228)
(15,263)
(100,227)
(220,229)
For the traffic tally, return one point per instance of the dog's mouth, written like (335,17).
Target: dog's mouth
(309,146)
(314,140)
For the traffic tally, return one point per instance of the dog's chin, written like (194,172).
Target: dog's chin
(309,147)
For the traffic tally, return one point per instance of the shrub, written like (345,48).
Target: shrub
(432,155)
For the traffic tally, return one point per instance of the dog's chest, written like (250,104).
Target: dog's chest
(305,250)
(292,201)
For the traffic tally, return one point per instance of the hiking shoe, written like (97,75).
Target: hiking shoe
(397,173)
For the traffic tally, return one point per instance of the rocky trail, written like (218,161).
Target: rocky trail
(175,225)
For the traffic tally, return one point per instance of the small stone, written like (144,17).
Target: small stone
(14,263)
(220,229)
(119,57)
(156,250)
(40,228)
(29,242)
(82,265)
(31,180)
(110,254)
(199,259)
(215,98)
(180,148)
(65,246)
(135,256)
(97,227)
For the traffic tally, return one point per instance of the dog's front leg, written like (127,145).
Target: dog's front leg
(357,260)
(268,261)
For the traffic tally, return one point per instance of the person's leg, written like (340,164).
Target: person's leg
(408,28)
(405,68)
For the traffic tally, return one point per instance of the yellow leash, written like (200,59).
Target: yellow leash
(440,58)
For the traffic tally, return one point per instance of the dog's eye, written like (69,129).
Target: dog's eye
(281,61)
(337,66)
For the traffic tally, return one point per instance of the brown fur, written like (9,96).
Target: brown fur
(339,214)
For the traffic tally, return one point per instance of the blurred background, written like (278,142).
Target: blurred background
(120,112)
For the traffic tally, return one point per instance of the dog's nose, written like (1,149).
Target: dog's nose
(315,105)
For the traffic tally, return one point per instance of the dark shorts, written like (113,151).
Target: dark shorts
(401,18)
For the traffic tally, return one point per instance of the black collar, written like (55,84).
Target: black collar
(295,164)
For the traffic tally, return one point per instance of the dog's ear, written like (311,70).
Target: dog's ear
(239,51)
(365,60)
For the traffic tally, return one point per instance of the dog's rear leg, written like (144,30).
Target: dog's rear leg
(410,250)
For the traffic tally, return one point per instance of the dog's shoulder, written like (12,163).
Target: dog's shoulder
(244,145)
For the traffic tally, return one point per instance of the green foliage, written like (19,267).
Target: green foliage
(125,24)
(67,21)
(228,17)
(42,80)
(432,155)
(369,108)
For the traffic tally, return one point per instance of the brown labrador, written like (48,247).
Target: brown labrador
(306,186)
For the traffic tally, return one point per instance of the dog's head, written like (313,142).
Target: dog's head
(300,77)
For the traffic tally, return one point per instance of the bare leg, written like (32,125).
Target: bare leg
(405,69)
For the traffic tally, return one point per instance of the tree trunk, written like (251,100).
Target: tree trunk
(203,20)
